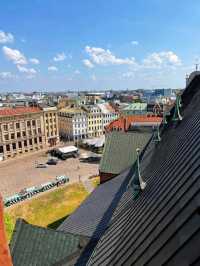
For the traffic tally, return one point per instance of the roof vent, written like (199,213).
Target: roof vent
(138,183)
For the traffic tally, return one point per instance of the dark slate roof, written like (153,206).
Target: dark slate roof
(161,226)
(92,217)
(120,150)
(34,245)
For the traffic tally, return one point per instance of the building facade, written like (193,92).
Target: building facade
(21,131)
(108,114)
(94,125)
(73,123)
(50,116)
(26,129)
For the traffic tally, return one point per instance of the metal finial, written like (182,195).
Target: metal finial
(138,183)
(177,116)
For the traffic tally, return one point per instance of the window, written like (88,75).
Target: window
(18,135)
(6,137)
(12,136)
(40,139)
(5,127)
(25,143)
(33,123)
(7,147)
(28,123)
(35,140)
(17,125)
(24,134)
(1,149)
(34,132)
(30,142)
(29,132)
(14,146)
(39,130)
(20,144)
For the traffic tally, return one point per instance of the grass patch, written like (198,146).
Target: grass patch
(95,181)
(47,209)
(9,224)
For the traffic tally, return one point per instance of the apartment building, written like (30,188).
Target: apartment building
(94,125)
(26,129)
(50,116)
(72,123)
(21,131)
(108,114)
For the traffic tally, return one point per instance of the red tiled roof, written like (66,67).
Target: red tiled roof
(125,121)
(18,111)
(5,257)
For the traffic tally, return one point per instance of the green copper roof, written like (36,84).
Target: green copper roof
(136,106)
(34,245)
(120,150)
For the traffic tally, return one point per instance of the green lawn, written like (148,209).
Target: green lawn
(96,181)
(49,209)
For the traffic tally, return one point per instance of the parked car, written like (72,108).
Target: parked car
(41,165)
(52,161)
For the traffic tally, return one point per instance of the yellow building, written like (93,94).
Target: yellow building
(94,122)
(51,126)
(21,131)
(26,129)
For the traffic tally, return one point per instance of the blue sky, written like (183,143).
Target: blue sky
(97,44)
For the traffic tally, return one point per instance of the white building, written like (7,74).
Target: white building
(72,123)
(108,114)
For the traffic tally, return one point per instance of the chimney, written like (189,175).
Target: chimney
(5,257)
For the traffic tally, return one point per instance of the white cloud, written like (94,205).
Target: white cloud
(6,37)
(101,56)
(52,68)
(161,59)
(77,72)
(87,63)
(34,61)
(6,75)
(29,71)
(135,43)
(59,57)
(14,55)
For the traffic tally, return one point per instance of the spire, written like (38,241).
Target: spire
(177,116)
(138,183)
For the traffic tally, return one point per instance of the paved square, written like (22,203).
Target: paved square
(19,173)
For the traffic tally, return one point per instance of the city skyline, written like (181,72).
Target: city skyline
(96,45)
